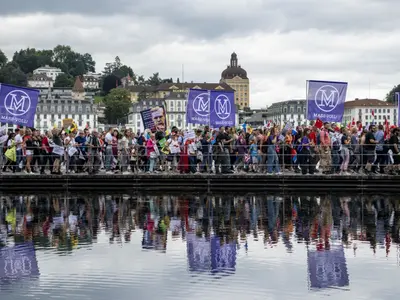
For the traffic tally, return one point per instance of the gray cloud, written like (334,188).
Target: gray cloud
(206,19)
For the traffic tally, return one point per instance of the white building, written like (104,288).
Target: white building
(294,111)
(369,110)
(93,74)
(61,103)
(90,82)
(49,71)
(40,81)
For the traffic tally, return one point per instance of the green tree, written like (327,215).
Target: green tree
(90,64)
(123,71)
(117,103)
(154,80)
(390,97)
(3,59)
(27,60)
(63,80)
(110,82)
(12,74)
(61,53)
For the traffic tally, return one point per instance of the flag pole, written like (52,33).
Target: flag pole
(306,116)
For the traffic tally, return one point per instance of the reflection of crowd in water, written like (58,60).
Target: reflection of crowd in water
(66,223)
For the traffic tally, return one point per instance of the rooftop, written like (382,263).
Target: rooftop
(367,103)
(78,86)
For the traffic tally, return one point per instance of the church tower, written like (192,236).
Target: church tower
(78,92)
(237,78)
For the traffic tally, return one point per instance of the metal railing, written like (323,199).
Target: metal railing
(270,159)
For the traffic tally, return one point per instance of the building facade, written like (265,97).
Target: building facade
(236,77)
(40,81)
(48,71)
(90,82)
(57,104)
(165,89)
(370,111)
(294,111)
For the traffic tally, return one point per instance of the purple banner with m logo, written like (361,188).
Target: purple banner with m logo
(223,109)
(198,107)
(18,105)
(18,262)
(214,108)
(209,255)
(328,268)
(325,100)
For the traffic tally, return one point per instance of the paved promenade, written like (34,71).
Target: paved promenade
(199,183)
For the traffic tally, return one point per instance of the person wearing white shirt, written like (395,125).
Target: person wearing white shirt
(108,152)
(174,149)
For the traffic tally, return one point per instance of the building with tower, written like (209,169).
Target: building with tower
(236,77)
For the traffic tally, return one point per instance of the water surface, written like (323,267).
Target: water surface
(199,247)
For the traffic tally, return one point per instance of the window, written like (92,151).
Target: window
(388,117)
(80,109)
(87,109)
(171,105)
(384,110)
(138,124)
(299,109)
(179,124)
(172,117)
(366,117)
(379,117)
(366,110)
(150,103)
(179,105)
(72,108)
(291,109)
(379,110)
(284,110)
(59,108)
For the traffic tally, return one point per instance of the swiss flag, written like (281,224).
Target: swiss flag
(373,113)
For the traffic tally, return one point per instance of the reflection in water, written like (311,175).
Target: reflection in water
(218,232)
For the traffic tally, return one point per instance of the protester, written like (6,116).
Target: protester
(327,148)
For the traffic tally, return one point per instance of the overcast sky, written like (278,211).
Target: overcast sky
(281,43)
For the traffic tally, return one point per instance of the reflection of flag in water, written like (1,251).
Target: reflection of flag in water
(209,255)
(18,262)
(199,253)
(328,268)
(223,257)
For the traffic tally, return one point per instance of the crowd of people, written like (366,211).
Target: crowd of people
(318,148)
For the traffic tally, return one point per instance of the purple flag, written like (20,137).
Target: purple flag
(328,268)
(223,257)
(223,109)
(18,105)
(18,262)
(397,97)
(325,100)
(199,253)
(208,255)
(198,107)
